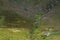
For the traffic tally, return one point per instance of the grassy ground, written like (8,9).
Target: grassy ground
(13,34)
(22,34)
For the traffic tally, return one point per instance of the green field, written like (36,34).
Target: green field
(13,34)
(23,34)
